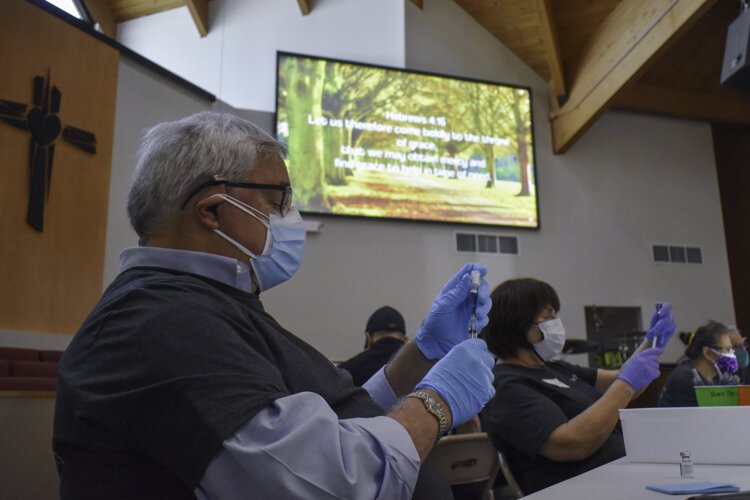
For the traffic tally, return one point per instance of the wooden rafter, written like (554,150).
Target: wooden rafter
(125,10)
(629,40)
(684,103)
(548,33)
(304,6)
(199,12)
(101,13)
(418,3)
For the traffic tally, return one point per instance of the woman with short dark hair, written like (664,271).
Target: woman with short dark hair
(710,361)
(554,420)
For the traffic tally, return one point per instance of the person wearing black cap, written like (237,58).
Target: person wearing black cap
(385,334)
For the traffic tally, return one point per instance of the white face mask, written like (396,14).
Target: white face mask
(553,339)
(284,247)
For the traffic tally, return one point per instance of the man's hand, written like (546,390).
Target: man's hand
(447,322)
(463,378)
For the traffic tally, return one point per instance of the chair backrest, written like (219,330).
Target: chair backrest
(467,458)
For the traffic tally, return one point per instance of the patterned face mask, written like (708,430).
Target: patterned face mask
(727,363)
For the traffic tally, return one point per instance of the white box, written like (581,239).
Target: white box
(713,435)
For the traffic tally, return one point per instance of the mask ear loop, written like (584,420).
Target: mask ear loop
(259,216)
(252,212)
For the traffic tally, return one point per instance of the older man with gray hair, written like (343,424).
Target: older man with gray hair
(180,385)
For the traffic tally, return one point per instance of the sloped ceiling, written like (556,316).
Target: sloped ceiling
(650,56)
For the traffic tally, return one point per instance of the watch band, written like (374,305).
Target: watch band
(434,407)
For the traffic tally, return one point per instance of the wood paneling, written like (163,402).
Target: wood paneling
(732,150)
(516,24)
(51,280)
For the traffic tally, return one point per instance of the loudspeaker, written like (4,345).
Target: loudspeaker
(735,71)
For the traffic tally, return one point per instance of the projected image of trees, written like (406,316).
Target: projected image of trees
(376,142)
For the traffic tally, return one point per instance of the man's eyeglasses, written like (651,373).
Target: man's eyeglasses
(286,192)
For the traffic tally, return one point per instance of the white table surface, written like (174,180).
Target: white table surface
(621,480)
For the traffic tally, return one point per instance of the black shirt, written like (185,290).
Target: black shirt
(531,403)
(365,364)
(679,390)
(166,367)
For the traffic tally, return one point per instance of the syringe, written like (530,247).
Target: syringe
(654,342)
(476,280)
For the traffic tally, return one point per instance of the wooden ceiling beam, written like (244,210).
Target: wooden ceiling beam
(418,3)
(629,40)
(101,13)
(125,10)
(683,103)
(304,6)
(199,12)
(548,32)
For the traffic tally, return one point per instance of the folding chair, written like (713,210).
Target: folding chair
(467,458)
(508,475)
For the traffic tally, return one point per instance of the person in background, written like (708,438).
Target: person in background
(551,419)
(710,361)
(739,344)
(385,334)
(180,385)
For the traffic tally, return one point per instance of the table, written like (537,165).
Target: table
(622,480)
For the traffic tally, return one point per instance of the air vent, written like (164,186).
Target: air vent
(694,255)
(466,242)
(487,243)
(677,254)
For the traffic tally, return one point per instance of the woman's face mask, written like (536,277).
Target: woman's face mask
(553,339)
(726,363)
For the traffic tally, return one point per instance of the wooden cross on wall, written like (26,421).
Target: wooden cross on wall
(45,126)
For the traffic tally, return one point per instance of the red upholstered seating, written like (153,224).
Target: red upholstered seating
(33,369)
(28,384)
(28,369)
(50,356)
(19,354)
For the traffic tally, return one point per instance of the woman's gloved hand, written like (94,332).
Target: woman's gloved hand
(447,322)
(662,326)
(463,378)
(641,369)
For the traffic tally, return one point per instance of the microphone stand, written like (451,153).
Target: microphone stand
(599,331)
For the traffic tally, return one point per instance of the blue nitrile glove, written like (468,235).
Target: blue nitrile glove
(641,369)
(463,378)
(662,325)
(447,322)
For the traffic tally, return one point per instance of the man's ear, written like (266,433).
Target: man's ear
(207,211)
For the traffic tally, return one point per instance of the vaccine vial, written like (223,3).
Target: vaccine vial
(686,464)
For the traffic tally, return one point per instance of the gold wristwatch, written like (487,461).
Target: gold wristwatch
(434,407)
